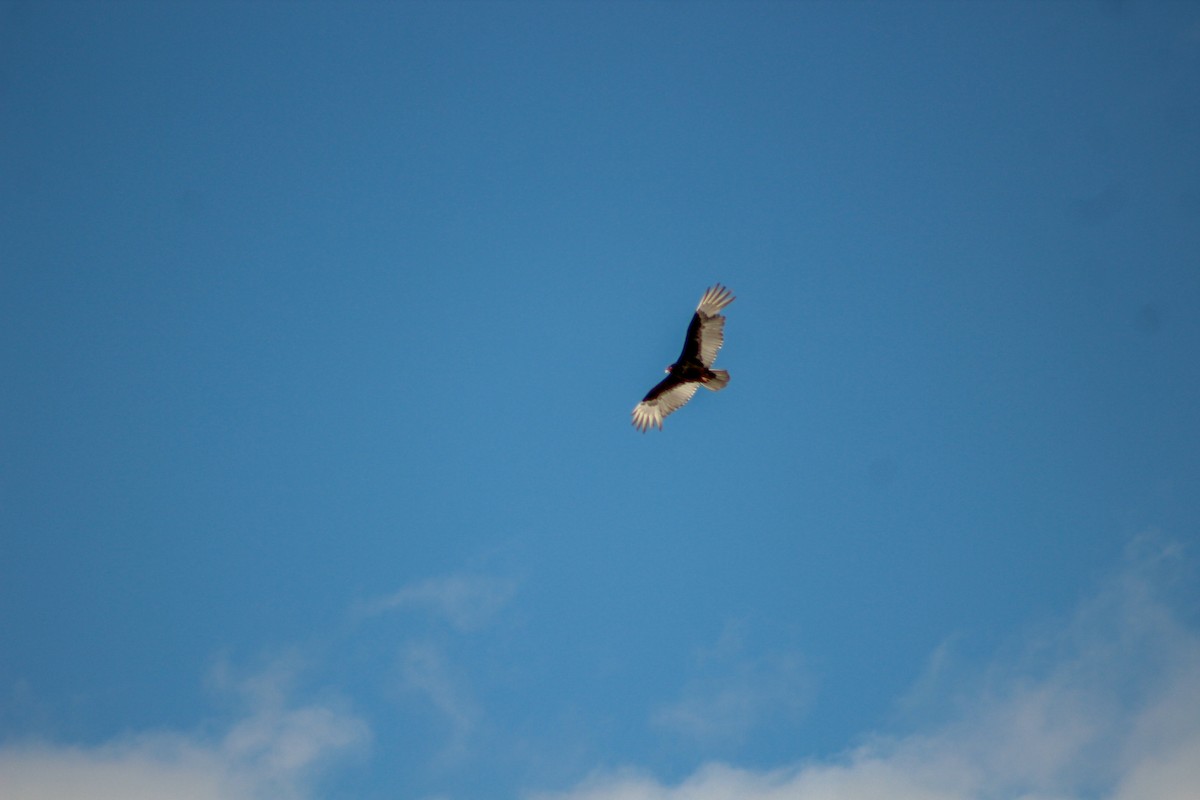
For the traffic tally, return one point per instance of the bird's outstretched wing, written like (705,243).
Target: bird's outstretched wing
(669,395)
(706,332)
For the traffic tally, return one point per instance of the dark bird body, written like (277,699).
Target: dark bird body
(693,368)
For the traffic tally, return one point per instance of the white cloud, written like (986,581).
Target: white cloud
(148,768)
(1170,775)
(273,751)
(467,602)
(1107,705)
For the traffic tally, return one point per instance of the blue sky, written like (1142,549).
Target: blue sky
(321,325)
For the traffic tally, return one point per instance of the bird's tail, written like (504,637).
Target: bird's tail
(718,381)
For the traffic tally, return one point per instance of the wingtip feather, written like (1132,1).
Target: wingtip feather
(714,299)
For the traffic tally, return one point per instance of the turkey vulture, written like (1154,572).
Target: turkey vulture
(705,335)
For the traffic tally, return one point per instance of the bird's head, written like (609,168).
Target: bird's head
(669,368)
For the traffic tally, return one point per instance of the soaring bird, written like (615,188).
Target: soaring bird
(693,368)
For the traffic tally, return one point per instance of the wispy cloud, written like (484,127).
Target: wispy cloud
(732,691)
(274,750)
(467,602)
(1104,705)
(430,665)
(425,670)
